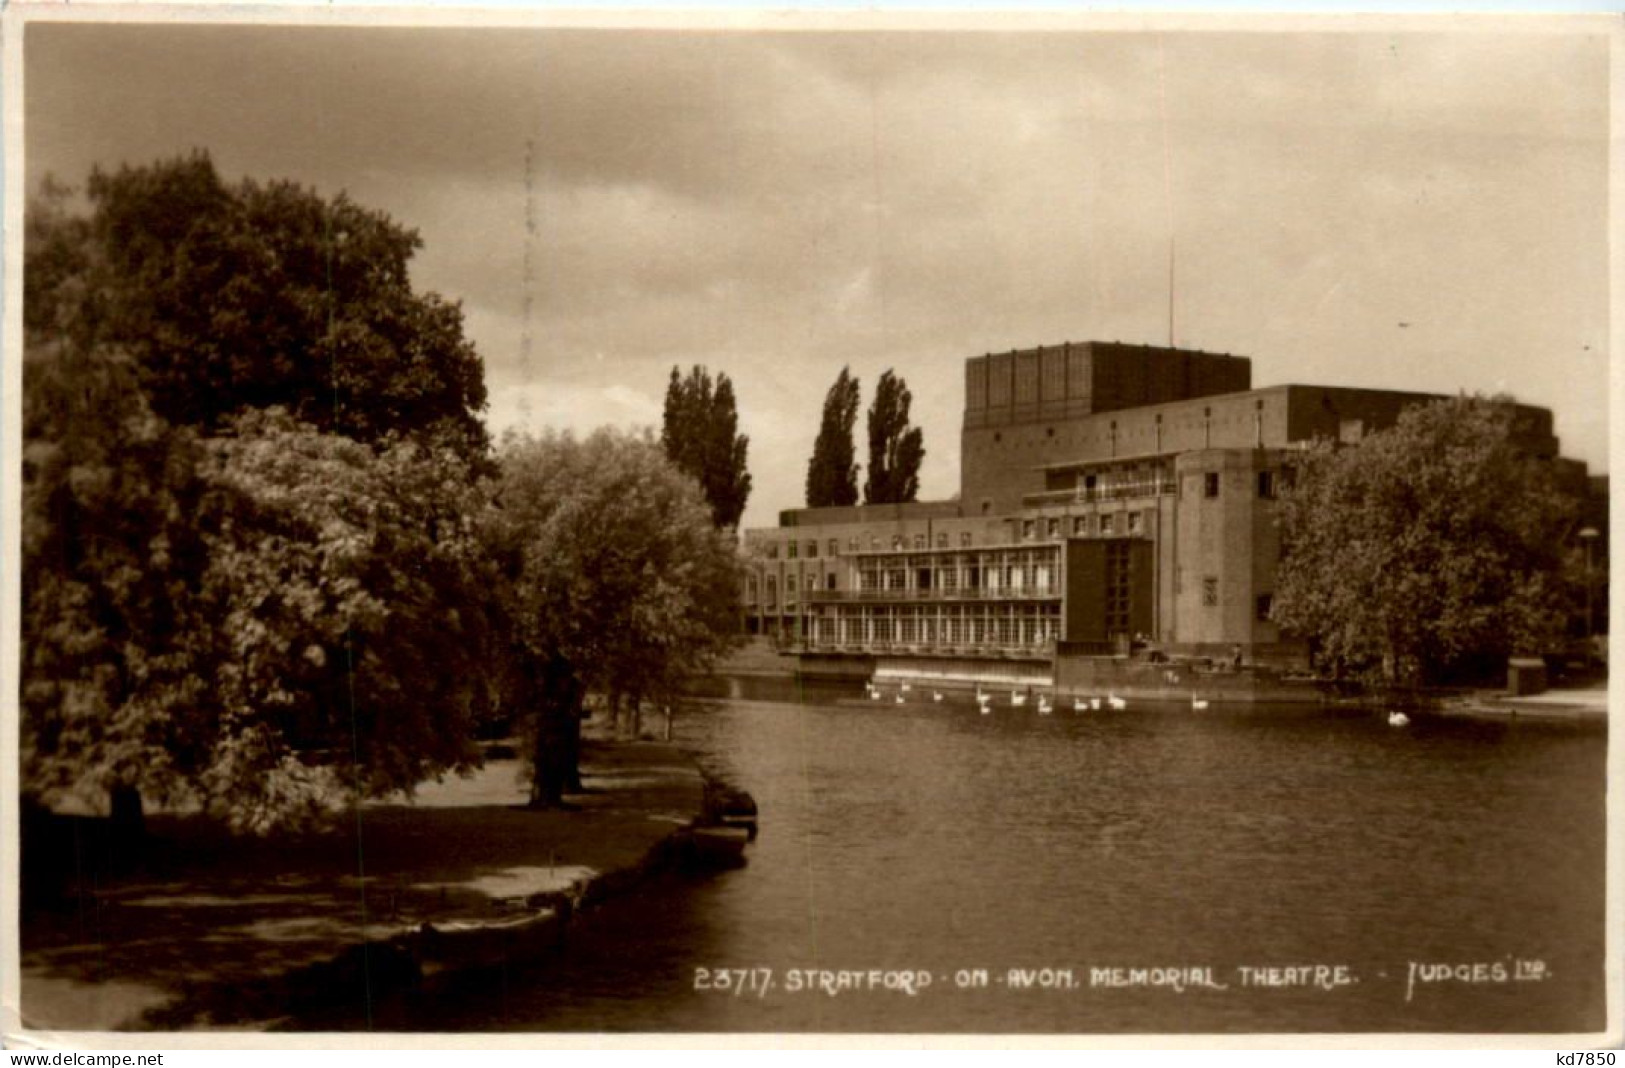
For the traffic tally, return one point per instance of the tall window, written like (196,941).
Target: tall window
(790,550)
(812,549)
(1210,591)
(1106,526)
(1027,529)
(964,538)
(1210,484)
(1055,528)
(835,546)
(1134,523)
(1262,608)
(1080,525)
(1266,485)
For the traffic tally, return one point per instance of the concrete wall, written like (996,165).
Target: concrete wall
(1226,547)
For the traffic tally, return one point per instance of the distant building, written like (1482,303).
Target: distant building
(1108,492)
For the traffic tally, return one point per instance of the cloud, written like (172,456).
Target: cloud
(533,407)
(608,204)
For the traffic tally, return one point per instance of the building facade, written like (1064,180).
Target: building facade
(1109,494)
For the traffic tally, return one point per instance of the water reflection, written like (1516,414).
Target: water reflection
(931,837)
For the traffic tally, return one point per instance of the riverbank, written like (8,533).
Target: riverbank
(199,930)
(1580,703)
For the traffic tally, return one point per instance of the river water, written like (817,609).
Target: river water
(1119,850)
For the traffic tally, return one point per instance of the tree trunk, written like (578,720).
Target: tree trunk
(126,814)
(572,757)
(558,731)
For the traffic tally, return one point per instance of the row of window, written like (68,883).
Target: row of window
(952,625)
(1210,599)
(1267,483)
(809,548)
(1106,525)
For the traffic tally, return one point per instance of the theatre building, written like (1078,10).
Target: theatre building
(1108,493)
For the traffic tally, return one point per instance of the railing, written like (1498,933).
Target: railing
(1036,593)
(1128,491)
(984,650)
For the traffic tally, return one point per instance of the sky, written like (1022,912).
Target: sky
(1408,210)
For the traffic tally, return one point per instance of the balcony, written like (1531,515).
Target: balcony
(1036,593)
(1165,487)
(980,651)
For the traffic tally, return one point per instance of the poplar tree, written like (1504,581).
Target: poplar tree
(896,450)
(832,473)
(700,435)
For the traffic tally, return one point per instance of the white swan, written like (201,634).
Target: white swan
(936,696)
(1044,707)
(1079,704)
(1116,702)
(899,698)
(1198,703)
(1398,719)
(1017,699)
(1094,704)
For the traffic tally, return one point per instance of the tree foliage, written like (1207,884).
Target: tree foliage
(350,591)
(1430,544)
(251,580)
(896,450)
(116,638)
(266,625)
(615,579)
(700,435)
(832,473)
(231,297)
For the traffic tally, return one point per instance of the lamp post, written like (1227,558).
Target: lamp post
(1588,535)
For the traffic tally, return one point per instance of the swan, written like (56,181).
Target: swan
(936,695)
(1116,702)
(906,688)
(1017,699)
(1044,707)
(1094,704)
(1198,703)
(874,695)
(1398,719)
(1079,704)
(899,698)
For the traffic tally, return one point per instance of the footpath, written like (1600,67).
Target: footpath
(200,930)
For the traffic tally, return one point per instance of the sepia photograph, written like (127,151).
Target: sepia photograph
(815,525)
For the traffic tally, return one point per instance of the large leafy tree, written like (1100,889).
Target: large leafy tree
(614,578)
(351,593)
(117,648)
(1431,544)
(832,473)
(249,295)
(267,624)
(224,603)
(896,450)
(700,434)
